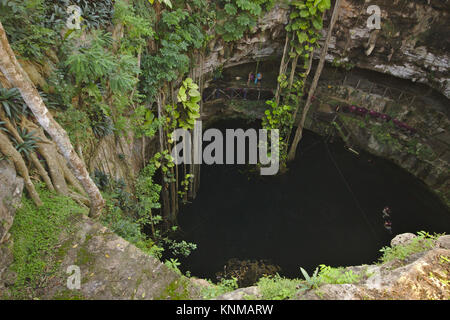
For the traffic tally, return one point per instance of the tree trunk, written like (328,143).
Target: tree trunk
(19,79)
(299,132)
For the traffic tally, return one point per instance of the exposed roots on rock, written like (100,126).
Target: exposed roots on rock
(12,154)
(34,159)
(61,176)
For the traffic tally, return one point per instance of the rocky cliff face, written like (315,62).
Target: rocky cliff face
(410,53)
(420,276)
(11,187)
(413,42)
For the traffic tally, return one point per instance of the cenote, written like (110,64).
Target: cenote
(325,210)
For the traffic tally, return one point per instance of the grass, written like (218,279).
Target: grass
(424,241)
(278,288)
(214,290)
(36,233)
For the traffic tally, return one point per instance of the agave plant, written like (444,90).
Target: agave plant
(312,282)
(12,103)
(29,142)
(2,126)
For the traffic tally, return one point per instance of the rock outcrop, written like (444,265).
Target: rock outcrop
(11,187)
(425,278)
(411,44)
(421,276)
(111,268)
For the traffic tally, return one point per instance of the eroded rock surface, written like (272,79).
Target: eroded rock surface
(112,268)
(11,187)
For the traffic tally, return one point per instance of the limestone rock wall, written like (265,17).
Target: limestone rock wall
(11,187)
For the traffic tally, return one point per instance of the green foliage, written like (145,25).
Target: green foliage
(173,264)
(189,97)
(279,117)
(144,122)
(185,184)
(94,14)
(103,81)
(311,282)
(182,248)
(138,30)
(123,225)
(305,23)
(93,62)
(77,124)
(29,142)
(147,193)
(128,216)
(424,241)
(165,161)
(36,232)
(214,290)
(12,103)
(342,64)
(331,275)
(179,32)
(238,16)
(25,25)
(277,287)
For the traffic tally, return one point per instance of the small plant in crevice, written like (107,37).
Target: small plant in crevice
(173,264)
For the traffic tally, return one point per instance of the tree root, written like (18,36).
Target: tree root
(11,153)
(34,159)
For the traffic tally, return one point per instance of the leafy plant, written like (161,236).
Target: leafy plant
(29,142)
(313,281)
(214,290)
(12,103)
(422,242)
(173,264)
(238,16)
(279,117)
(277,287)
(331,275)
(94,14)
(189,97)
(36,232)
(25,25)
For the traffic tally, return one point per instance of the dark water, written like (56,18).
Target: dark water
(320,212)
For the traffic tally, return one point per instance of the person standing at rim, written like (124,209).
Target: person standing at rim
(258,79)
(251,78)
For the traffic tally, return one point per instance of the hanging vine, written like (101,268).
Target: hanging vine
(303,33)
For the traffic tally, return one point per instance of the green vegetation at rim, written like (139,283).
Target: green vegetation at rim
(36,233)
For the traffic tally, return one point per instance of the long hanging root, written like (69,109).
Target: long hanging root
(11,153)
